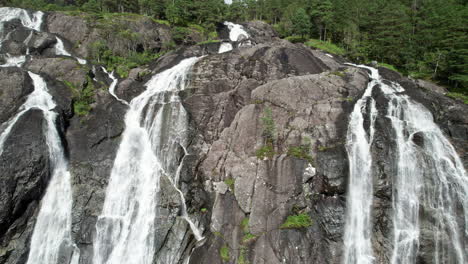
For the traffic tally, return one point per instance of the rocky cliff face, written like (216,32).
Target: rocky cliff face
(267,126)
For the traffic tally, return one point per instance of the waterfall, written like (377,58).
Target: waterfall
(51,241)
(155,133)
(236,31)
(225,47)
(113,85)
(358,229)
(430,186)
(429,175)
(60,50)
(32,22)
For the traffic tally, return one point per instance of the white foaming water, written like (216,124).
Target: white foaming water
(358,229)
(14,61)
(156,130)
(225,47)
(113,85)
(51,242)
(32,22)
(236,32)
(60,50)
(430,178)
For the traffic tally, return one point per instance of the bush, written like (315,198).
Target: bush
(295,39)
(265,152)
(300,152)
(224,253)
(180,34)
(458,96)
(297,221)
(325,46)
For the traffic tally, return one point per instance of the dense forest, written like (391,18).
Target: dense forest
(421,38)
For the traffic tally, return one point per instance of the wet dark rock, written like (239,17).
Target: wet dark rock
(15,85)
(25,172)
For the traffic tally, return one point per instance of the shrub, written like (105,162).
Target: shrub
(268,125)
(224,253)
(230,182)
(265,152)
(325,46)
(458,96)
(297,221)
(300,152)
(296,39)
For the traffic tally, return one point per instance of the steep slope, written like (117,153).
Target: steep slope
(265,173)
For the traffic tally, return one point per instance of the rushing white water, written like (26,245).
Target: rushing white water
(430,175)
(225,47)
(32,22)
(236,31)
(60,50)
(430,178)
(14,61)
(358,229)
(51,242)
(113,85)
(156,129)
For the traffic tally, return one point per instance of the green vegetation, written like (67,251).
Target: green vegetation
(300,152)
(326,46)
(204,210)
(425,39)
(121,65)
(224,253)
(242,257)
(265,152)
(297,221)
(82,99)
(230,183)
(268,125)
(248,238)
(458,96)
(208,41)
(388,66)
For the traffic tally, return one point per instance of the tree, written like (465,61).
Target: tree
(301,23)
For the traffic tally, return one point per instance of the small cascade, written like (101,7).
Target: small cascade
(33,21)
(152,147)
(358,229)
(236,33)
(51,242)
(60,50)
(14,61)
(225,47)
(430,187)
(113,85)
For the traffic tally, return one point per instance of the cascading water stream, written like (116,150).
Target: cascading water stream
(236,33)
(32,22)
(357,239)
(156,130)
(51,242)
(430,178)
(113,85)
(60,50)
(430,175)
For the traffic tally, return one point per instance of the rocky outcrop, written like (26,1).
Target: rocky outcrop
(308,111)
(268,129)
(119,33)
(14,87)
(25,173)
